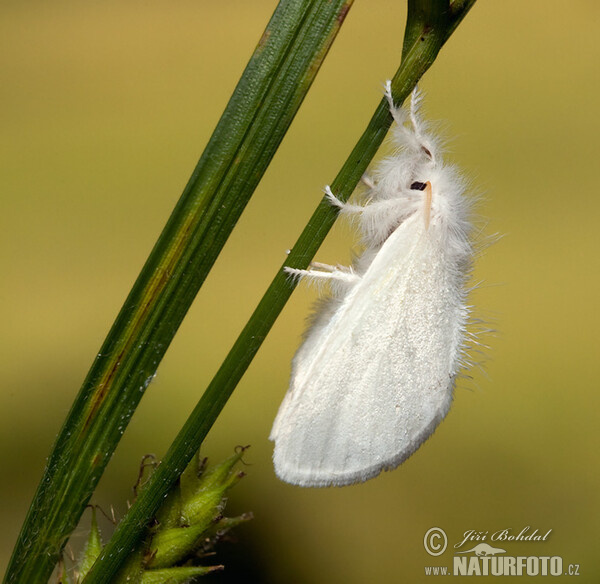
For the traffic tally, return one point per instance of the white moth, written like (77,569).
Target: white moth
(376,371)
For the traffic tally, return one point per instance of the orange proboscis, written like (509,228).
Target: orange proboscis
(427,209)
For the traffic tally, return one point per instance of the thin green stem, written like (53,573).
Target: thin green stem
(270,91)
(429,23)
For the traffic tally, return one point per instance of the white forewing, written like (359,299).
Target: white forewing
(376,371)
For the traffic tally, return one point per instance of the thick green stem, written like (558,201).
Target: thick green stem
(429,25)
(261,109)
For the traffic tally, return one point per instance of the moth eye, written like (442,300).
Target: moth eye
(418,186)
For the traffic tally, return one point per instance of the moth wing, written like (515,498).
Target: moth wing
(372,383)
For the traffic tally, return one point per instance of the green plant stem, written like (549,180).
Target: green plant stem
(429,25)
(261,109)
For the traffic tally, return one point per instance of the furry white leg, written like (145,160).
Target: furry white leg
(366,180)
(418,128)
(396,112)
(332,273)
(347,208)
(327,267)
(416,97)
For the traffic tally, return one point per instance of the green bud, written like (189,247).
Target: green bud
(202,497)
(133,569)
(169,514)
(92,549)
(189,519)
(221,527)
(176,575)
(170,546)
(200,502)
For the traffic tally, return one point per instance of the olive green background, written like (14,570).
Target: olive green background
(106,107)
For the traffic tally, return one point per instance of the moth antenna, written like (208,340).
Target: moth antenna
(416,98)
(398,113)
(419,127)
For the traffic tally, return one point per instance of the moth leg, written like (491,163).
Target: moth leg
(416,97)
(324,267)
(345,275)
(366,180)
(345,207)
(418,127)
(396,112)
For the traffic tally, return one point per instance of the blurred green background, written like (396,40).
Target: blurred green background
(106,107)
